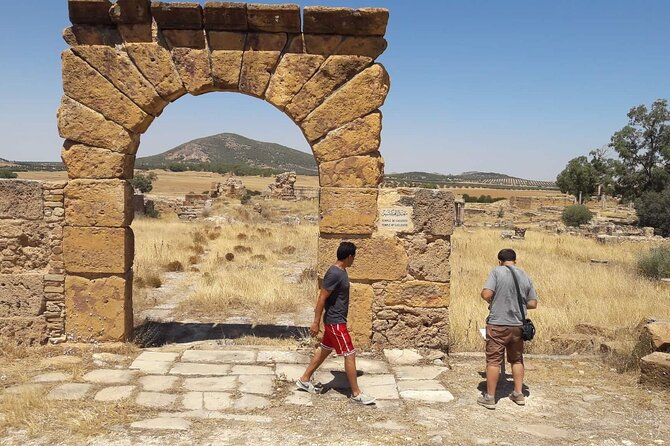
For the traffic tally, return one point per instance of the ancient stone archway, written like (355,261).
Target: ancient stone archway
(129,60)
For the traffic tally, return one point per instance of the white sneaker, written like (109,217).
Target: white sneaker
(364,399)
(308,386)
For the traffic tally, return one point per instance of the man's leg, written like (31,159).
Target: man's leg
(492,375)
(317,359)
(352,377)
(517,374)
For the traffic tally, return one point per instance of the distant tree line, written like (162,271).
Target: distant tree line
(481,199)
(639,174)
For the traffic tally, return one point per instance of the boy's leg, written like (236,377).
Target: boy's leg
(317,359)
(352,377)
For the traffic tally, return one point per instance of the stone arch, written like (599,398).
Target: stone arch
(128,60)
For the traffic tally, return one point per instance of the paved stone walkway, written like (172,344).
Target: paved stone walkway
(209,383)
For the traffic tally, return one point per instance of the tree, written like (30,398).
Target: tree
(576,215)
(6,173)
(578,176)
(643,147)
(605,169)
(653,209)
(143,182)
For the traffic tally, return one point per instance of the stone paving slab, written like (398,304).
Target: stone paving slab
(252,370)
(420,385)
(114,393)
(53,377)
(299,398)
(156,400)
(402,356)
(283,357)
(211,384)
(158,383)
(216,415)
(193,401)
(175,424)
(69,391)
(382,387)
(249,402)
(362,365)
(289,372)
(194,369)
(257,384)
(151,367)
(418,372)
(110,376)
(220,356)
(435,396)
(157,356)
(217,400)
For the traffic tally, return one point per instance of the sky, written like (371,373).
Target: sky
(518,86)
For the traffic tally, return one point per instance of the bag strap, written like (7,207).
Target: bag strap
(518,292)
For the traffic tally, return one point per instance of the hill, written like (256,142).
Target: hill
(5,163)
(230,152)
(486,179)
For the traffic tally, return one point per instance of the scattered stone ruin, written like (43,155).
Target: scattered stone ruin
(284,186)
(231,187)
(125,63)
(194,206)
(535,203)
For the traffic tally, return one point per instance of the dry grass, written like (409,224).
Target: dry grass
(571,289)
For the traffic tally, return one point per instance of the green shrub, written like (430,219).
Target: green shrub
(152,213)
(655,264)
(653,209)
(6,173)
(576,215)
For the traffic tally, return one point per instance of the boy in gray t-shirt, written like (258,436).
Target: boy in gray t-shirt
(503,325)
(334,299)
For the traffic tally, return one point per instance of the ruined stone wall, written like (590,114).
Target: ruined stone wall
(401,276)
(32,303)
(535,203)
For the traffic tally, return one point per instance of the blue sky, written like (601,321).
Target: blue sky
(518,87)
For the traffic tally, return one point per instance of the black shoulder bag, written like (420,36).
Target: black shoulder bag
(527,329)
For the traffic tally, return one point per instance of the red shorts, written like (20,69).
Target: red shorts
(336,337)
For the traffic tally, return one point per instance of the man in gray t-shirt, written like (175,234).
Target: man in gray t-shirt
(503,325)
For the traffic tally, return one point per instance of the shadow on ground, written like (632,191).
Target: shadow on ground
(156,333)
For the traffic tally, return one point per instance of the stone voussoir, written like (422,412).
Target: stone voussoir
(155,63)
(361,136)
(195,70)
(292,73)
(261,54)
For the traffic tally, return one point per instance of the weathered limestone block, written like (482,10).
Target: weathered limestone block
(283,18)
(434,212)
(655,370)
(115,65)
(177,15)
(656,335)
(347,211)
(23,247)
(416,293)
(98,203)
(225,16)
(371,47)
(377,258)
(227,49)
(98,250)
(91,35)
(335,71)
(185,38)
(360,96)
(347,21)
(89,12)
(354,171)
(155,63)
(293,71)
(84,161)
(361,136)
(79,123)
(411,327)
(194,69)
(24,331)
(261,54)
(429,260)
(359,320)
(323,44)
(21,295)
(88,87)
(21,199)
(137,33)
(129,12)
(99,308)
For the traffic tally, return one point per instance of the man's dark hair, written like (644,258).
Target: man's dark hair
(507,255)
(345,250)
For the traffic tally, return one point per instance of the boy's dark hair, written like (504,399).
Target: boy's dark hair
(507,255)
(345,250)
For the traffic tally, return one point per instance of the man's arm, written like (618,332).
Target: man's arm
(487,295)
(532,304)
(318,311)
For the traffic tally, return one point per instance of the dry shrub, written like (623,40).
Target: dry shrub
(195,269)
(208,279)
(259,258)
(264,232)
(290,249)
(153,281)
(230,256)
(175,266)
(213,235)
(240,249)
(139,282)
(192,260)
(199,238)
(198,249)
(242,236)
(308,275)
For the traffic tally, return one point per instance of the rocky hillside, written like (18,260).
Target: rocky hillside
(230,149)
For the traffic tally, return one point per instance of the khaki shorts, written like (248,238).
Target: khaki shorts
(500,338)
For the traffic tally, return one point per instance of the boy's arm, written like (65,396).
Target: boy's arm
(318,311)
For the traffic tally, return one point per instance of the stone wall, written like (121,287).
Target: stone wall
(535,203)
(32,303)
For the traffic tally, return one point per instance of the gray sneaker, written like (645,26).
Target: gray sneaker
(309,386)
(486,401)
(364,399)
(518,398)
